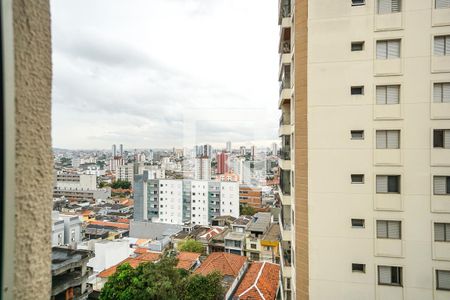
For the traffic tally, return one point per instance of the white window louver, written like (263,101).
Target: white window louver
(441,92)
(388,139)
(389,49)
(382,184)
(442,232)
(384,274)
(389,6)
(439,185)
(388,94)
(442,45)
(442,4)
(382,229)
(447,139)
(443,279)
(394,229)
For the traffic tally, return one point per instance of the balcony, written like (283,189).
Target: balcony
(285,228)
(285,11)
(285,125)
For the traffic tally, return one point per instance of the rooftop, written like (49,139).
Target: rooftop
(226,263)
(261,222)
(134,262)
(273,233)
(260,282)
(65,258)
(186,260)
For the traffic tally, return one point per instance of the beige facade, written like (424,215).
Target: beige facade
(367,99)
(27,57)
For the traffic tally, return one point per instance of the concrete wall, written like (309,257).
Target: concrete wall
(33,75)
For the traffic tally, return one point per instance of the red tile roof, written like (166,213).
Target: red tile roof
(110,224)
(141,250)
(186,260)
(260,282)
(226,263)
(123,220)
(134,262)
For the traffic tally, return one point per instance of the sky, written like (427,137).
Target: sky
(164,73)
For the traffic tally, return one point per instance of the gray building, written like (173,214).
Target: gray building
(66,229)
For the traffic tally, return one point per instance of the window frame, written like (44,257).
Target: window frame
(387,41)
(355,226)
(388,176)
(356,138)
(446,228)
(357,43)
(386,87)
(358,4)
(447,185)
(387,229)
(441,86)
(446,38)
(357,270)
(355,88)
(437,280)
(357,182)
(399,275)
(436,5)
(386,132)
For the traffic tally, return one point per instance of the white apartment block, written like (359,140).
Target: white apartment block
(182,201)
(365,157)
(126,173)
(202,168)
(170,202)
(76,181)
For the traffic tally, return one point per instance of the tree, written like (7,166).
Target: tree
(103,184)
(190,245)
(246,210)
(121,184)
(198,287)
(161,280)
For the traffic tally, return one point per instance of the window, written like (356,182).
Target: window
(389,6)
(359,268)
(357,90)
(441,185)
(253,246)
(357,178)
(441,92)
(442,4)
(388,139)
(441,138)
(358,223)
(388,275)
(442,232)
(357,134)
(389,229)
(357,46)
(388,94)
(442,45)
(288,283)
(387,184)
(389,49)
(358,2)
(443,280)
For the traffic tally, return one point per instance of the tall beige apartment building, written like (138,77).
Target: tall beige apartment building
(365,158)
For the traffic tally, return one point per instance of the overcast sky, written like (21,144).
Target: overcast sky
(164,73)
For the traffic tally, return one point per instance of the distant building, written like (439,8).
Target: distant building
(242,150)
(180,201)
(202,168)
(274,149)
(125,172)
(229,147)
(222,163)
(230,176)
(250,195)
(114,150)
(253,152)
(121,150)
(203,151)
(70,273)
(79,187)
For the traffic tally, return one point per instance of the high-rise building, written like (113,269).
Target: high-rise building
(253,152)
(222,162)
(126,173)
(229,147)
(181,201)
(202,168)
(121,150)
(114,151)
(368,102)
(242,150)
(274,149)
(203,151)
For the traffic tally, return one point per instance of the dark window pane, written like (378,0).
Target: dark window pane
(393,184)
(438,138)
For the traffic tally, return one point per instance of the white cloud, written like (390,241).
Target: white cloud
(127,71)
